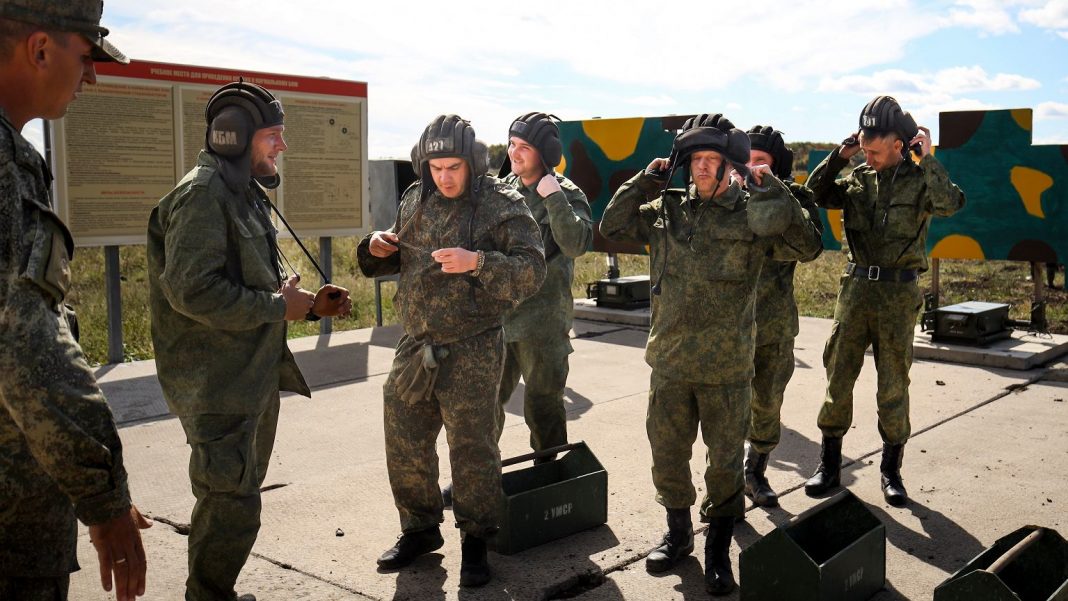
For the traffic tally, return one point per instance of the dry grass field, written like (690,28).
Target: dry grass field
(816,289)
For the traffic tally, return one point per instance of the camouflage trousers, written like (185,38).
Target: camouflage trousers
(774,365)
(882,315)
(464,401)
(228,461)
(543,364)
(676,408)
(34,589)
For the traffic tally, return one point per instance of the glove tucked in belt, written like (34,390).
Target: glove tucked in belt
(881,274)
(416,379)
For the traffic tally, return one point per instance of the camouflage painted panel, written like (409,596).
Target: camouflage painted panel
(1016,192)
(601,154)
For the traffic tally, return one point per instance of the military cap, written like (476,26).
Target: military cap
(78,16)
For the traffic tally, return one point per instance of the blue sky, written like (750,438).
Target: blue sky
(806,67)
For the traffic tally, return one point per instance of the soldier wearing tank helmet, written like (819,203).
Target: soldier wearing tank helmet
(776,322)
(467,251)
(60,452)
(887,204)
(537,331)
(220,302)
(707,244)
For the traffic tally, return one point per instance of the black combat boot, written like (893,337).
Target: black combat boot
(890,468)
(677,543)
(409,546)
(829,473)
(474,564)
(719,579)
(756,484)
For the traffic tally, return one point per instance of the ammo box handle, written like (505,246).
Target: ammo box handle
(1010,555)
(542,453)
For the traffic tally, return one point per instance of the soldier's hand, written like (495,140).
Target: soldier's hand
(121,553)
(850,146)
(548,185)
(757,173)
(456,260)
(332,301)
(298,300)
(383,244)
(657,169)
(923,138)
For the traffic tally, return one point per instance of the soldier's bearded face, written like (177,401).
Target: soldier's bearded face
(267,144)
(703,167)
(881,153)
(526,161)
(69,65)
(759,157)
(450,176)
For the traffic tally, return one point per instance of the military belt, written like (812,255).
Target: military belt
(881,274)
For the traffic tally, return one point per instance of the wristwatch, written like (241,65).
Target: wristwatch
(478,266)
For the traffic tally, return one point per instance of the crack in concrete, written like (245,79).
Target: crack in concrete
(287,566)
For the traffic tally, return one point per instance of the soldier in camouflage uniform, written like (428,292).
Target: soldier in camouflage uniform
(707,246)
(60,452)
(219,306)
(776,322)
(537,332)
(887,205)
(467,251)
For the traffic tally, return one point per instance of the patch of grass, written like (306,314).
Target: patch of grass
(816,287)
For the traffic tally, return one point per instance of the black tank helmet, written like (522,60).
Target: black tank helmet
(709,132)
(883,115)
(769,140)
(540,131)
(449,136)
(234,113)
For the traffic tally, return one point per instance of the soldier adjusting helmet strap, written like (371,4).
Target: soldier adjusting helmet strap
(769,140)
(884,115)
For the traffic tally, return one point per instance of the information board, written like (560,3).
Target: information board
(128,139)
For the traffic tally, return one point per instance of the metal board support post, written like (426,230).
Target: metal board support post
(935,288)
(113,288)
(326,262)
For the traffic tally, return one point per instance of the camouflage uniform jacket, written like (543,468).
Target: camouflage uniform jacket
(439,307)
(566,233)
(776,309)
(60,454)
(218,322)
(886,214)
(703,327)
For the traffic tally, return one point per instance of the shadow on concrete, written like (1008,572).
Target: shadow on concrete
(423,580)
(575,404)
(795,453)
(939,534)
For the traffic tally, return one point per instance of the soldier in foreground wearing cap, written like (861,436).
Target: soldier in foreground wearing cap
(538,330)
(60,452)
(220,303)
(707,245)
(776,323)
(887,205)
(467,250)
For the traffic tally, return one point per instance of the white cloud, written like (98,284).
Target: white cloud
(988,16)
(1052,15)
(937,87)
(1051,110)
